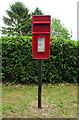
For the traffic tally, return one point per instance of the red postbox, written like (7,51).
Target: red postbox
(41,36)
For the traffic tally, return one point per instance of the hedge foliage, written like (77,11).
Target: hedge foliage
(18,65)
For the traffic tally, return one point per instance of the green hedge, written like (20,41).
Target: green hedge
(18,65)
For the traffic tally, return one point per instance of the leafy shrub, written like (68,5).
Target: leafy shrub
(18,65)
(62,63)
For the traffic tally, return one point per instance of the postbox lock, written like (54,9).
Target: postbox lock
(41,34)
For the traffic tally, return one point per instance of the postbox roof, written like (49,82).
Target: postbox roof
(41,18)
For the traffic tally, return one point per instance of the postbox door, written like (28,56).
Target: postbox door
(41,47)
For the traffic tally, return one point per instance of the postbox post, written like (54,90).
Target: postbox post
(39,82)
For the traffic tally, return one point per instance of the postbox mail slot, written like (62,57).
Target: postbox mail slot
(41,24)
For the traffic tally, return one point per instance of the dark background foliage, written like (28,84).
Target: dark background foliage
(19,67)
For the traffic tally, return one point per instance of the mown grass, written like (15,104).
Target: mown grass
(58,101)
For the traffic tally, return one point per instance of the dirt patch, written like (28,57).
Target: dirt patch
(46,111)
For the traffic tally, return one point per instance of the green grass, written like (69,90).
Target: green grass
(58,101)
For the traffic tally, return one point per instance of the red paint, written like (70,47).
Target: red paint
(41,32)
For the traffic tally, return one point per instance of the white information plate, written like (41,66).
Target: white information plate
(41,44)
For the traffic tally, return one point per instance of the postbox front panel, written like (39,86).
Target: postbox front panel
(41,37)
(40,50)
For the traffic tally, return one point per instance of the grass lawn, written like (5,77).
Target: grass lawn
(58,101)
